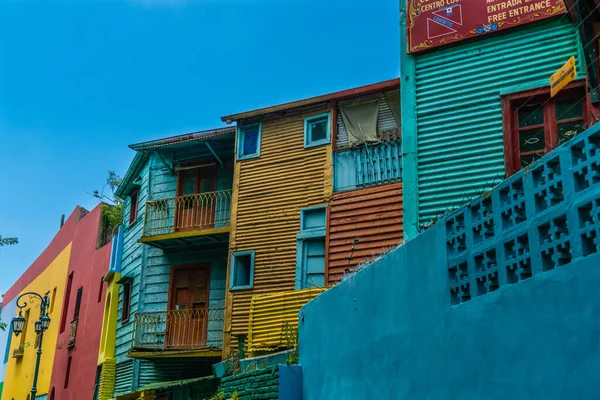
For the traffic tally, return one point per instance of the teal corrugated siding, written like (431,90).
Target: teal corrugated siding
(172,369)
(459,116)
(123,378)
(132,265)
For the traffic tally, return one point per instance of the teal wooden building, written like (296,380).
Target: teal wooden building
(477,110)
(177,195)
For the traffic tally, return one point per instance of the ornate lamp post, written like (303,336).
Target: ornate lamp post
(18,324)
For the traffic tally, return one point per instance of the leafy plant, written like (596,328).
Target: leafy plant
(232,363)
(218,396)
(292,343)
(113,209)
(8,241)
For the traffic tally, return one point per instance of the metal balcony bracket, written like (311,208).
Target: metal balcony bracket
(165,163)
(214,153)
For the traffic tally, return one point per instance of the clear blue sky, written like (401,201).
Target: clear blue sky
(82,79)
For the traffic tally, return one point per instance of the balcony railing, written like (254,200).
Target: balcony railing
(188,213)
(178,330)
(72,333)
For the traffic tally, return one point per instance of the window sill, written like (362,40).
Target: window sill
(239,288)
(248,157)
(133,224)
(316,144)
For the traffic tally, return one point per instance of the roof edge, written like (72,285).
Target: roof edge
(200,135)
(390,84)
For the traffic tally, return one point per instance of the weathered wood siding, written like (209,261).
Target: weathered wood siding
(151,268)
(373,216)
(132,266)
(268,195)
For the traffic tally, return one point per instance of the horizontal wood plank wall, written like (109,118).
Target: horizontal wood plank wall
(271,190)
(373,215)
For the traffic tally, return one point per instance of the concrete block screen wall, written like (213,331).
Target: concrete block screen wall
(498,300)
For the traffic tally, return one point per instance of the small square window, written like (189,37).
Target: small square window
(242,270)
(248,145)
(316,130)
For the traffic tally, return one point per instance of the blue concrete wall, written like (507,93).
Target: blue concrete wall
(498,300)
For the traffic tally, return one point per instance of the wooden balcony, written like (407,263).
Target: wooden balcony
(185,220)
(176,333)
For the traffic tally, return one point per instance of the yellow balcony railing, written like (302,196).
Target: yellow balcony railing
(178,329)
(188,213)
(272,316)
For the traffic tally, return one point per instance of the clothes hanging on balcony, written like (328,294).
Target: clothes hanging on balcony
(361,121)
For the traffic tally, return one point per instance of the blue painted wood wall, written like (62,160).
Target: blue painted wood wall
(151,268)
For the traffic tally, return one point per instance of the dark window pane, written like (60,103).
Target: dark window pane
(569,129)
(531,140)
(250,141)
(189,181)
(530,158)
(318,129)
(569,108)
(531,115)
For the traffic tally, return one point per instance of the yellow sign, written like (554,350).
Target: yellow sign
(563,76)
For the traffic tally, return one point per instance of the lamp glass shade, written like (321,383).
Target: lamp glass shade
(45,322)
(38,326)
(18,324)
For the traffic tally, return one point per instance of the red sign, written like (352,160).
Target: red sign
(433,23)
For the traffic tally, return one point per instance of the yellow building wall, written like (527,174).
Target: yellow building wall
(269,192)
(19,371)
(106,355)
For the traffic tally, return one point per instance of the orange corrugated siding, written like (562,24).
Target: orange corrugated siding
(271,190)
(373,215)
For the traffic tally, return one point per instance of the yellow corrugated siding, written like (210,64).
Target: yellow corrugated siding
(271,190)
(271,314)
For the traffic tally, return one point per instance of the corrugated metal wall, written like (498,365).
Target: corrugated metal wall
(123,382)
(172,369)
(459,117)
(385,121)
(271,191)
(372,215)
(272,315)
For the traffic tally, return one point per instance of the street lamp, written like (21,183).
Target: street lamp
(18,324)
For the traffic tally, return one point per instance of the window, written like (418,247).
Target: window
(535,124)
(63,317)
(126,300)
(68,372)
(248,143)
(100,290)
(133,206)
(78,303)
(316,130)
(52,299)
(97,384)
(310,248)
(242,270)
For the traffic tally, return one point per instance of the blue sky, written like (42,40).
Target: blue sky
(82,79)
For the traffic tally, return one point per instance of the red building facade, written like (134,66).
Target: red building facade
(75,362)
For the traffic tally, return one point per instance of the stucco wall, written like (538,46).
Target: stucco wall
(498,300)
(394,334)
(19,371)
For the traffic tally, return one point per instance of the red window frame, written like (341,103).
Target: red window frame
(126,301)
(133,205)
(541,96)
